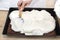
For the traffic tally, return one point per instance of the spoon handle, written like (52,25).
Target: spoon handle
(20,14)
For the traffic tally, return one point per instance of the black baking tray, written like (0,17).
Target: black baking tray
(50,10)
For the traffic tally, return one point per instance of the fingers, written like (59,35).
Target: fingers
(22,6)
(19,4)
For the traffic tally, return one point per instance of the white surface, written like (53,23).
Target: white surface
(33,23)
(6,4)
(57,8)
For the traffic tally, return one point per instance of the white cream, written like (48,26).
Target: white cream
(34,22)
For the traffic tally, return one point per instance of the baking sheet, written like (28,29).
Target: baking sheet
(50,10)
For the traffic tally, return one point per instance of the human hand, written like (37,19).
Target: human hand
(22,3)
